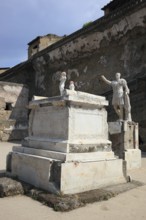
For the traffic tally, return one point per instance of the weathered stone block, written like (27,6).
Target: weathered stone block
(10,187)
(68,157)
(125,142)
(77,123)
(133,158)
(66,178)
(34,170)
(81,177)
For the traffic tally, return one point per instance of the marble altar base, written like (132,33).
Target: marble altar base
(67,150)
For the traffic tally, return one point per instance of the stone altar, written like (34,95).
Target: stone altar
(67,150)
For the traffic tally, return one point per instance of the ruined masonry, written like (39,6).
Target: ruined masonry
(13,111)
(125,142)
(67,150)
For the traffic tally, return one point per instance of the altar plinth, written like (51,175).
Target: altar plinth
(67,150)
(125,142)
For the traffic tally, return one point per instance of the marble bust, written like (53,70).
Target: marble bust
(120,101)
(62,82)
(72,86)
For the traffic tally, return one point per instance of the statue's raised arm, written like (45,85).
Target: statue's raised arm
(106,80)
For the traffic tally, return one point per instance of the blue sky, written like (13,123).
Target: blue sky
(23,20)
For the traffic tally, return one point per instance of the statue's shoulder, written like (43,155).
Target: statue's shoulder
(123,81)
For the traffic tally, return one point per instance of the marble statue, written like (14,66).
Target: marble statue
(120,101)
(62,82)
(72,85)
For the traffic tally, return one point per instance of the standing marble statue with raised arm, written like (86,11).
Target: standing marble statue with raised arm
(120,101)
(62,82)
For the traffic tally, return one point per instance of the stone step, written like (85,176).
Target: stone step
(66,146)
(66,178)
(39,152)
(82,157)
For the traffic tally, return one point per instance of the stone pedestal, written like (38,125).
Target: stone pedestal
(67,150)
(125,142)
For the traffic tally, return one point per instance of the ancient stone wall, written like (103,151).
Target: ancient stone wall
(13,111)
(41,43)
(114,43)
(3,69)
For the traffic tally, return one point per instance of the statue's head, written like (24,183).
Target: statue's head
(63,74)
(71,82)
(118,76)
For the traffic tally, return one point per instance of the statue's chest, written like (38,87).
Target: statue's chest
(117,87)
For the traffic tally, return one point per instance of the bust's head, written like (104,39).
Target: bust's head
(118,76)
